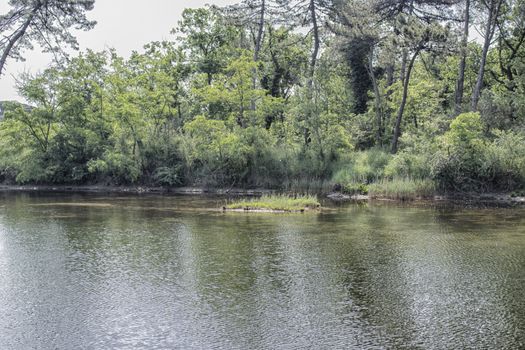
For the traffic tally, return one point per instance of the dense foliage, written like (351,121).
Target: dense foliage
(45,22)
(302,94)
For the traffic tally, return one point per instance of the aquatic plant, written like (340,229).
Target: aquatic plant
(279,202)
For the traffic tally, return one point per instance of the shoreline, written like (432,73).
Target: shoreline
(134,190)
(453,198)
(264,210)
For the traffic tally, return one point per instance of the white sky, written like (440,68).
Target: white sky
(125,25)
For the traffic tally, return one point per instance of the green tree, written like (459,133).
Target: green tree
(45,22)
(417,37)
(492,9)
(234,92)
(207,38)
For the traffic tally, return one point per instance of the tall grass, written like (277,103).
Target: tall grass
(306,186)
(363,167)
(402,189)
(277,202)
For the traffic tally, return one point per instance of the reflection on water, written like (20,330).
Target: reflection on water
(88,271)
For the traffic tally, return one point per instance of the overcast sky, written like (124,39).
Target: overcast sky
(125,25)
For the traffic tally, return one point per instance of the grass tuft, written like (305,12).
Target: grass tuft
(277,202)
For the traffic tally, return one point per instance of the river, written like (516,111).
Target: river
(92,271)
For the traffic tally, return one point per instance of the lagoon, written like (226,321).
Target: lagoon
(92,271)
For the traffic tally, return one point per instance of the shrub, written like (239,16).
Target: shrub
(168,176)
(363,167)
(459,163)
(469,161)
(355,188)
(215,154)
(409,165)
(268,163)
(161,160)
(505,161)
(120,167)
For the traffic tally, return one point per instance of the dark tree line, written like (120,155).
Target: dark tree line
(279,93)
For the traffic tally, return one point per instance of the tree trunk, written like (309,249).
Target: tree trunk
(403,68)
(390,74)
(12,41)
(489,33)
(258,45)
(260,30)
(404,55)
(377,98)
(463,62)
(406,81)
(317,43)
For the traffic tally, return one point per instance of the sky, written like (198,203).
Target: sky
(125,25)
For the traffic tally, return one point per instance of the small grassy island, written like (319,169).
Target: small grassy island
(276,203)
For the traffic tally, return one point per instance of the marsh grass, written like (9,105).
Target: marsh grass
(279,202)
(306,186)
(402,189)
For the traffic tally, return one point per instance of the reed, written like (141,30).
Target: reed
(402,189)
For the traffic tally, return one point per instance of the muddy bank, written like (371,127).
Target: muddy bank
(263,210)
(454,198)
(136,189)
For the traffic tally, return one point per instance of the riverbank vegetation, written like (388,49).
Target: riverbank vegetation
(388,98)
(277,203)
(402,189)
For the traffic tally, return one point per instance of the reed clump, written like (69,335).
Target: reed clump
(279,202)
(402,189)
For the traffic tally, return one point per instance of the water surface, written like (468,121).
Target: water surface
(91,271)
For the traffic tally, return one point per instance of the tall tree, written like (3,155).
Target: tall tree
(207,39)
(458,98)
(505,103)
(311,14)
(254,15)
(41,91)
(312,8)
(44,22)
(511,44)
(418,36)
(362,38)
(250,12)
(493,11)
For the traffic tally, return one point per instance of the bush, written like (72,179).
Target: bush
(459,164)
(120,167)
(363,167)
(268,162)
(161,160)
(468,161)
(168,176)
(215,155)
(409,165)
(355,188)
(505,161)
